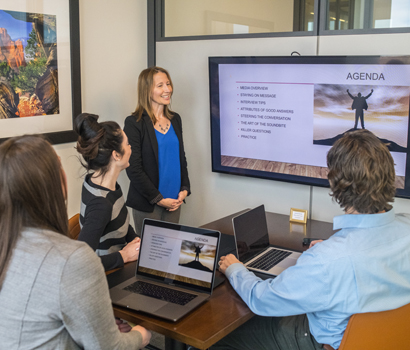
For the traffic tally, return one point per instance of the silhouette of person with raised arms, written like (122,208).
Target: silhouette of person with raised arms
(198,251)
(359,104)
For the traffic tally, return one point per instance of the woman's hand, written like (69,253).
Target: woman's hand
(170,204)
(123,326)
(173,204)
(146,335)
(131,251)
(182,195)
(227,261)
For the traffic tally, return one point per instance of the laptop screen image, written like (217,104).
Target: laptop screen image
(179,255)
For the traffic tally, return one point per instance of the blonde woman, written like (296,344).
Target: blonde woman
(158,167)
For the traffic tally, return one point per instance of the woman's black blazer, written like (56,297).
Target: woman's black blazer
(143,170)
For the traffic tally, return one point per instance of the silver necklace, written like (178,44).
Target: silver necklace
(164,130)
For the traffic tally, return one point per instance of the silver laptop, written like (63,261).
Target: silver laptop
(252,244)
(175,270)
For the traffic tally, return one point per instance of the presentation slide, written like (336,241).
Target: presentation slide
(294,113)
(178,253)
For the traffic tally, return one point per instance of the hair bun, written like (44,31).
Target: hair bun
(84,122)
(90,133)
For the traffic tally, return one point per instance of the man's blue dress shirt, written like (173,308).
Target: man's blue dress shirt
(364,267)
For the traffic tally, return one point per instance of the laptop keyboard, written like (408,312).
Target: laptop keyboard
(270,259)
(162,293)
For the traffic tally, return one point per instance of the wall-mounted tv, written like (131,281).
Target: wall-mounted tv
(277,117)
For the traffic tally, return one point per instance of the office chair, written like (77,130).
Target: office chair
(74,226)
(378,330)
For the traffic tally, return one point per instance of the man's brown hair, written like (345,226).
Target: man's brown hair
(361,173)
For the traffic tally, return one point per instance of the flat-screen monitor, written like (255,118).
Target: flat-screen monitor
(277,117)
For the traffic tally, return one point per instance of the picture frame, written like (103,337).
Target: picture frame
(57,125)
(298,215)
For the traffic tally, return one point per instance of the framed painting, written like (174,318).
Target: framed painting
(40,78)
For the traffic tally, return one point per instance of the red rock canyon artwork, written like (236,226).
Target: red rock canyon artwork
(28,65)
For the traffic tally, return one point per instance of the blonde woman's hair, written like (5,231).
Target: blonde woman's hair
(145,87)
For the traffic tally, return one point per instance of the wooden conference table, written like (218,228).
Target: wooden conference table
(225,311)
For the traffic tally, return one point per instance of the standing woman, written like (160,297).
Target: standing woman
(53,290)
(104,218)
(158,167)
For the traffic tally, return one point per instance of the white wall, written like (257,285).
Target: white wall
(215,195)
(113,39)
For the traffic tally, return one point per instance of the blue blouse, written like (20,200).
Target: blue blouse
(169,163)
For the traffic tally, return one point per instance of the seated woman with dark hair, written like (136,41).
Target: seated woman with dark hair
(104,218)
(53,290)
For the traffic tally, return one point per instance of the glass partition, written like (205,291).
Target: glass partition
(390,14)
(367,14)
(222,17)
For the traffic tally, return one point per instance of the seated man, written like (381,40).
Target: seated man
(364,267)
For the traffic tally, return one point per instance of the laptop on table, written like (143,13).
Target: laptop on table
(253,248)
(175,270)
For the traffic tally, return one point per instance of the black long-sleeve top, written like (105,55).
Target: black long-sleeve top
(104,222)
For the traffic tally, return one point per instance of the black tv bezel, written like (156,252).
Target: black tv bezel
(214,62)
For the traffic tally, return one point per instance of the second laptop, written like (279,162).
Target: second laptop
(252,244)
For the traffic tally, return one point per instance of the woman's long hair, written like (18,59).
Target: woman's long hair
(32,192)
(145,86)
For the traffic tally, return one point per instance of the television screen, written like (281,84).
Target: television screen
(277,117)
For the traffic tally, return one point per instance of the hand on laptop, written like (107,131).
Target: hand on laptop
(146,335)
(315,242)
(227,261)
(131,251)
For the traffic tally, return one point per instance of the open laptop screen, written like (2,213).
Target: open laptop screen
(178,254)
(251,233)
